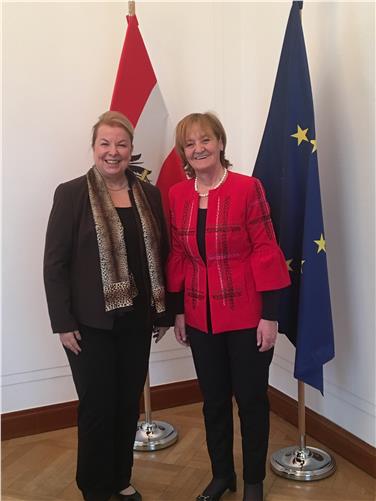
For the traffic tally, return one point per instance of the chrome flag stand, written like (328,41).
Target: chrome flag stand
(153,435)
(301,462)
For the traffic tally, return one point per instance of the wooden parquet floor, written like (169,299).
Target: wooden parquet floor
(42,467)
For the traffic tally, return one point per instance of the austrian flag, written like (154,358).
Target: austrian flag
(137,95)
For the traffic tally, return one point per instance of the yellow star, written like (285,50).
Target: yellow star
(301,266)
(300,134)
(288,262)
(314,142)
(320,244)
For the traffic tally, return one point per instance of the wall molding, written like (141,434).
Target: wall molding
(64,415)
(334,392)
(53,417)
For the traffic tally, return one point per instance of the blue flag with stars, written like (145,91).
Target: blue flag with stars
(287,166)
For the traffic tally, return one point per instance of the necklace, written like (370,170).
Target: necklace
(125,185)
(221,181)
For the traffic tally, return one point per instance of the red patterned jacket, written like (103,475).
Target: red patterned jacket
(242,255)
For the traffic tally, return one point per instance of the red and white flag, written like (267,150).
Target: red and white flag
(137,95)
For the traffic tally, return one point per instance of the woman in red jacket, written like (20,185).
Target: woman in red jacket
(226,269)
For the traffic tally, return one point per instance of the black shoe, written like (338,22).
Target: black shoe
(217,487)
(253,492)
(136,496)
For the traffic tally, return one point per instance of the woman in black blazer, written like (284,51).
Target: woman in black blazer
(106,245)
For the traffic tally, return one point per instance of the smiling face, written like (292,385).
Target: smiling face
(112,151)
(202,150)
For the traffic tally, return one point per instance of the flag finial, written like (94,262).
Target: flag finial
(131,8)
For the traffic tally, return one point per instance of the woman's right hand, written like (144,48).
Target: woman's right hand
(179,330)
(70,341)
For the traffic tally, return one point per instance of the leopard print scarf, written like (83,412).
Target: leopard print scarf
(119,287)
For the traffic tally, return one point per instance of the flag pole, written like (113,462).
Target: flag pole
(151,435)
(290,176)
(299,462)
(301,415)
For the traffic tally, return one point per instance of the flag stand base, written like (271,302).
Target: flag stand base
(154,436)
(304,464)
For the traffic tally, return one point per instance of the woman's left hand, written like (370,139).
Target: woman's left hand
(266,334)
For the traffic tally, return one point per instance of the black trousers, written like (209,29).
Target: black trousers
(230,364)
(109,375)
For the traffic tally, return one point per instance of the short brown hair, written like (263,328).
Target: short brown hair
(113,119)
(208,122)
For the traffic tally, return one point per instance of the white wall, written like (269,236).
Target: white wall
(60,61)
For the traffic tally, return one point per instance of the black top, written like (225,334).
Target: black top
(135,248)
(137,264)
(201,228)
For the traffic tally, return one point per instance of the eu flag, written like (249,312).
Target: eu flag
(287,166)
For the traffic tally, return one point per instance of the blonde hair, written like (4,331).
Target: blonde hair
(113,119)
(208,122)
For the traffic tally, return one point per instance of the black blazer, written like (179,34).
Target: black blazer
(72,274)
